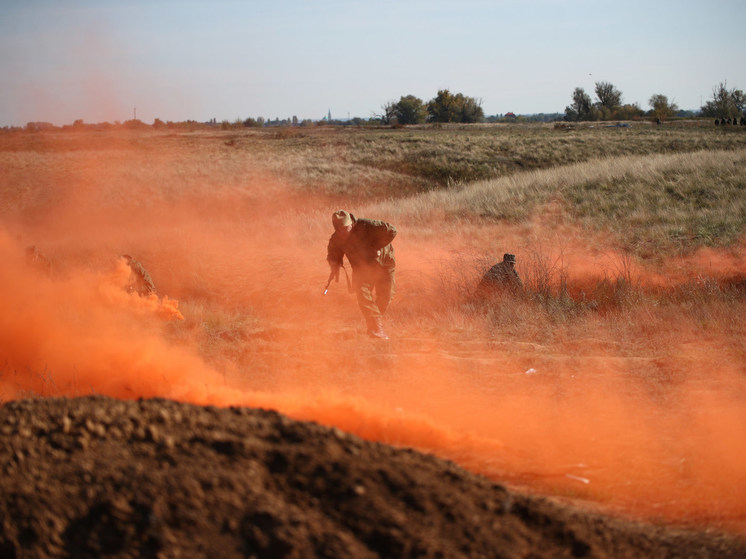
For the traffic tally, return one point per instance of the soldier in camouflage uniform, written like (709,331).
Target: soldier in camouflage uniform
(501,277)
(140,282)
(367,244)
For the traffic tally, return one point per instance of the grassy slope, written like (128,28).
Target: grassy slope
(580,208)
(677,187)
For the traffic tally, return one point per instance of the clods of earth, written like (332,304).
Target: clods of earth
(100,477)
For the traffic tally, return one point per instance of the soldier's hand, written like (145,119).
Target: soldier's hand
(335,270)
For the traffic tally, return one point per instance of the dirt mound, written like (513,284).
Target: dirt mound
(95,477)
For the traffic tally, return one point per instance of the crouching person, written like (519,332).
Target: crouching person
(367,245)
(502,277)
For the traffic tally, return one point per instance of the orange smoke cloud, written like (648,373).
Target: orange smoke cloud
(643,414)
(84,333)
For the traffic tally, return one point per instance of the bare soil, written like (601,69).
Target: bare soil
(101,477)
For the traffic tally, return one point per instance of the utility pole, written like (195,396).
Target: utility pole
(135,109)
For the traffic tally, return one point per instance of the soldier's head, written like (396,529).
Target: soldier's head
(343,222)
(509,259)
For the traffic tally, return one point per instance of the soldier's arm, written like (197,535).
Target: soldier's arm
(334,253)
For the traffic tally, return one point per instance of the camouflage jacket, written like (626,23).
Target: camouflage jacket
(142,282)
(501,275)
(369,243)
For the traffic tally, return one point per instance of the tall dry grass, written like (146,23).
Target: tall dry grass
(369,162)
(361,164)
(652,203)
(653,194)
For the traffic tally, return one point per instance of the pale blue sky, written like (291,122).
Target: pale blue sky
(226,59)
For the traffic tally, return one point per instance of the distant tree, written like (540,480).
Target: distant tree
(409,110)
(388,116)
(661,108)
(40,126)
(443,107)
(581,107)
(447,107)
(132,124)
(739,100)
(471,110)
(725,103)
(608,96)
(627,112)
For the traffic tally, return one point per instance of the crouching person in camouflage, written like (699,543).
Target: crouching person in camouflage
(140,280)
(367,244)
(500,278)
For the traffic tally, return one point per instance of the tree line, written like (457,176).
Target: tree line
(444,107)
(448,107)
(608,105)
(725,103)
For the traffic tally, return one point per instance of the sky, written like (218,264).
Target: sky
(176,60)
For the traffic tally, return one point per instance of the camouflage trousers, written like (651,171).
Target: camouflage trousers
(374,287)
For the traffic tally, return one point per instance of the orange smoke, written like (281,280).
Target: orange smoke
(642,413)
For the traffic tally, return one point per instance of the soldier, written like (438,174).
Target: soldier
(502,276)
(140,282)
(367,244)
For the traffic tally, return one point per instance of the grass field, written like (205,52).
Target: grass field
(618,376)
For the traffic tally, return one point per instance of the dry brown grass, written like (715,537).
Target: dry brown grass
(360,163)
(653,192)
(654,203)
(630,243)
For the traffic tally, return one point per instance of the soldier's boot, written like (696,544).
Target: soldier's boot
(375,328)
